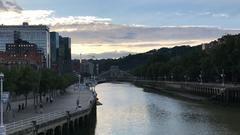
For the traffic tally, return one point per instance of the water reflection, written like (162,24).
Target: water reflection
(128,110)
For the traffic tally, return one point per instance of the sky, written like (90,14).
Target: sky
(115,28)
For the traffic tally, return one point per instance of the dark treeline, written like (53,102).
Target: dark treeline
(23,81)
(220,58)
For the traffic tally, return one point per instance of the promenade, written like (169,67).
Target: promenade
(60,103)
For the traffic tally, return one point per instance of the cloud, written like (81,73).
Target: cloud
(6,5)
(199,14)
(135,47)
(98,35)
(130,34)
(105,55)
(211,14)
(48,17)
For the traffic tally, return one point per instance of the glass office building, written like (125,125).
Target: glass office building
(54,43)
(37,34)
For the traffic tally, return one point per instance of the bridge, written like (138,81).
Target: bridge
(114,74)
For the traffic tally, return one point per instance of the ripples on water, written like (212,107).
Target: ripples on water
(128,110)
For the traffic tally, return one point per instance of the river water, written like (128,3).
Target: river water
(130,110)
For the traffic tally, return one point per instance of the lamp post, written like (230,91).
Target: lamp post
(165,78)
(172,77)
(200,76)
(185,79)
(2,127)
(79,81)
(97,66)
(223,79)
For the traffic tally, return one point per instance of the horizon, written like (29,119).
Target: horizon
(132,27)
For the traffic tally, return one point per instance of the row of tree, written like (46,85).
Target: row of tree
(214,62)
(23,81)
(220,58)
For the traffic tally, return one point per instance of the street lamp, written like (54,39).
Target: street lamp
(200,76)
(171,76)
(185,78)
(2,127)
(165,78)
(223,75)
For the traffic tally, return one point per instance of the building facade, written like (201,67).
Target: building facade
(37,34)
(54,43)
(85,68)
(22,53)
(65,59)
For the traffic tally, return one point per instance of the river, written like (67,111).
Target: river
(130,110)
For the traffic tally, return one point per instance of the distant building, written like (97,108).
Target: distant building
(54,43)
(22,53)
(76,66)
(65,59)
(85,68)
(37,34)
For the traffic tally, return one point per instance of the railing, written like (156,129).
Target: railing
(43,118)
(193,83)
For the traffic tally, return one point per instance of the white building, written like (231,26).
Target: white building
(37,34)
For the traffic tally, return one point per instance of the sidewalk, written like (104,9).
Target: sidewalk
(61,103)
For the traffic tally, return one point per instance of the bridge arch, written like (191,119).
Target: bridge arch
(114,73)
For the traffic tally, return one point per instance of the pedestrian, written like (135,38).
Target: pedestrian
(8,108)
(47,99)
(22,106)
(41,108)
(19,107)
(51,99)
(77,103)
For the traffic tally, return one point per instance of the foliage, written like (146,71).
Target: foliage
(23,81)
(220,56)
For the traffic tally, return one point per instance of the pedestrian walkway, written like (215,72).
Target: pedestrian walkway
(61,103)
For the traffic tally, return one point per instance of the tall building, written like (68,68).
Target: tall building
(65,62)
(37,34)
(54,43)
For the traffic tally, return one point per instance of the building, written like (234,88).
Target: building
(54,43)
(20,47)
(37,34)
(22,53)
(76,66)
(65,59)
(85,68)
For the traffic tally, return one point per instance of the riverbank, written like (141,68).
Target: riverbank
(172,92)
(215,93)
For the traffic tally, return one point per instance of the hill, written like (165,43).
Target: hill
(218,57)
